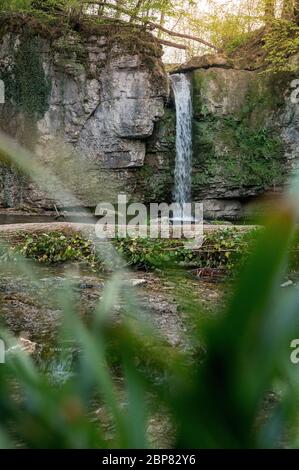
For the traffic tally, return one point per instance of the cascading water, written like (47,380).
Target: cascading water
(181,86)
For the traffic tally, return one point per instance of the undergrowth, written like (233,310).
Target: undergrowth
(223,248)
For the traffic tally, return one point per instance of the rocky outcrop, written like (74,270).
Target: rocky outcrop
(246,138)
(93,106)
(204,62)
(245,134)
(86,103)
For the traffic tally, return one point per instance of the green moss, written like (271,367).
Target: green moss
(26,85)
(165,131)
(155,178)
(71,45)
(154,184)
(264,97)
(200,85)
(242,149)
(230,152)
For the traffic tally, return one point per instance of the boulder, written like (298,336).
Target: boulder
(204,62)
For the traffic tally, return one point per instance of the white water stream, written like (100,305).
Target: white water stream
(183,164)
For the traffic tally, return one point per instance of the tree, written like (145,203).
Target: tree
(49,6)
(288,10)
(141,12)
(270,6)
(15,5)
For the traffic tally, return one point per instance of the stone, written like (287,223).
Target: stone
(24,345)
(287,284)
(103,105)
(204,62)
(109,127)
(222,209)
(138,282)
(245,140)
(221,92)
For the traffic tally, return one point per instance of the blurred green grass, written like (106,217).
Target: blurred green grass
(213,400)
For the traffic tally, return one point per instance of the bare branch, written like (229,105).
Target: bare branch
(172,44)
(183,36)
(154,25)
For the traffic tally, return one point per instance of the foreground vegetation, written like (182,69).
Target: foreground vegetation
(212,399)
(221,249)
(213,391)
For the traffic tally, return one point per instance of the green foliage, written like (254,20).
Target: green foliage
(235,42)
(213,403)
(56,247)
(26,84)
(240,362)
(254,157)
(281,43)
(222,248)
(228,31)
(15,5)
(144,253)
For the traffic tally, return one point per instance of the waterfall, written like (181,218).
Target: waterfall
(181,86)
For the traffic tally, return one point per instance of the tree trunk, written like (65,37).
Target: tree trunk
(269,10)
(152,26)
(119,4)
(136,11)
(101,8)
(288,10)
(161,23)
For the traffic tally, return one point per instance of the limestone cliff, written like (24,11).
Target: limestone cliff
(93,105)
(86,102)
(245,134)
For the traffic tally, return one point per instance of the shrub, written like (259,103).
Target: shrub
(223,248)
(56,247)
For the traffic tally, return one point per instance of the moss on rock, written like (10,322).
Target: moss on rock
(26,84)
(237,143)
(155,178)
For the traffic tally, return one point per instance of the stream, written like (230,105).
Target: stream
(30,308)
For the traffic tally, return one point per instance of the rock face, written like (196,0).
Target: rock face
(86,104)
(245,137)
(93,106)
(204,62)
